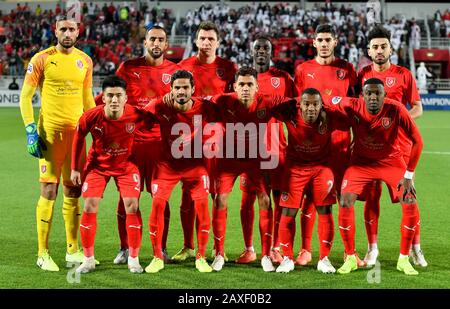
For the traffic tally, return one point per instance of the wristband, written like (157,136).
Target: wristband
(409,175)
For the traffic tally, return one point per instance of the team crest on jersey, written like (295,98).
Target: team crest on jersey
(275,81)
(220,72)
(43,168)
(261,113)
(243,181)
(284,196)
(390,81)
(340,74)
(344,184)
(130,127)
(386,122)
(336,100)
(30,68)
(154,188)
(80,64)
(166,78)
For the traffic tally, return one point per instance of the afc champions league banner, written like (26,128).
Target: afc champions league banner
(435,101)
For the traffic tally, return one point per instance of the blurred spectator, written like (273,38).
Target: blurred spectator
(422,74)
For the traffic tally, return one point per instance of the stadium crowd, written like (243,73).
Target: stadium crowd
(110,34)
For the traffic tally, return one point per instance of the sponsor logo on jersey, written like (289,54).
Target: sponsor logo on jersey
(336,100)
(261,113)
(220,72)
(138,74)
(328,91)
(166,78)
(43,168)
(386,122)
(390,81)
(275,81)
(129,127)
(154,188)
(340,74)
(310,75)
(30,68)
(80,64)
(244,181)
(85,187)
(344,184)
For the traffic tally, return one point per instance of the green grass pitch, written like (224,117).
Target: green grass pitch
(20,192)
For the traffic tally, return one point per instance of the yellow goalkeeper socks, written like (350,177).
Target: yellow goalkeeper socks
(72,215)
(44,215)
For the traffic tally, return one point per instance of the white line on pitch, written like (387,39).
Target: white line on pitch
(445,153)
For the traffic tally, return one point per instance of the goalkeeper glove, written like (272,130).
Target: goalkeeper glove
(35,144)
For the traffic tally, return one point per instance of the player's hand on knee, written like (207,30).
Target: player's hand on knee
(75,176)
(409,191)
(35,144)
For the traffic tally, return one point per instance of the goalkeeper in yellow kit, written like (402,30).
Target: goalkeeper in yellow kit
(63,75)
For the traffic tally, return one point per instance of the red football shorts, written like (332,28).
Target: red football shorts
(229,169)
(127,181)
(145,155)
(317,180)
(166,175)
(359,178)
(246,185)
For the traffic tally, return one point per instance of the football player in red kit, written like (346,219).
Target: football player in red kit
(332,77)
(147,77)
(376,122)
(188,115)
(270,81)
(307,169)
(399,85)
(246,115)
(113,127)
(213,75)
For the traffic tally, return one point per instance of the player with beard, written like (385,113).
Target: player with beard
(399,85)
(332,77)
(63,75)
(213,75)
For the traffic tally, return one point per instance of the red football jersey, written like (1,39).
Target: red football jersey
(231,112)
(195,118)
(277,82)
(310,144)
(112,140)
(399,83)
(375,135)
(400,86)
(335,79)
(210,79)
(145,82)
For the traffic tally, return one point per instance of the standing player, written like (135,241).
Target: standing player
(190,170)
(307,169)
(63,74)
(332,77)
(270,81)
(399,85)
(112,126)
(212,75)
(147,77)
(243,112)
(376,122)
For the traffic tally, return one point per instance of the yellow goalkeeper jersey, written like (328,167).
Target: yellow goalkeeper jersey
(65,85)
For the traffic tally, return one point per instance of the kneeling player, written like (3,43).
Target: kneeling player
(308,156)
(112,127)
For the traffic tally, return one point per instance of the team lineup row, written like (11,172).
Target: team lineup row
(134,145)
